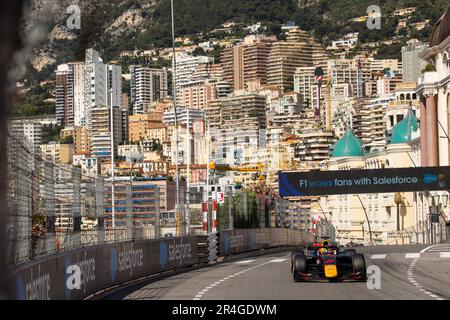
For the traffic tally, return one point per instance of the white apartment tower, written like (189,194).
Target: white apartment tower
(148,85)
(186,65)
(69,93)
(102,85)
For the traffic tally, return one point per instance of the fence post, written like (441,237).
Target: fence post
(261,207)
(76,206)
(447,224)
(214,217)
(129,211)
(230,210)
(100,209)
(245,208)
(49,205)
(158,213)
(213,247)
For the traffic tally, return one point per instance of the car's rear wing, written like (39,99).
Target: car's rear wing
(318,245)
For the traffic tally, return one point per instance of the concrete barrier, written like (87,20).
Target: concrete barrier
(79,273)
(76,274)
(239,241)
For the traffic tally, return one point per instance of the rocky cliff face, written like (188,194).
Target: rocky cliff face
(101,20)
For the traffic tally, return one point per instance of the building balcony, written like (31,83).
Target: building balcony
(429,77)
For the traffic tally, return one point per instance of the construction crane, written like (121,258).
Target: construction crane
(259,169)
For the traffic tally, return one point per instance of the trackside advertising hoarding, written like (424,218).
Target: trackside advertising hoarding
(315,183)
(76,274)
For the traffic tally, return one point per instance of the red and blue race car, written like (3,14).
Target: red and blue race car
(326,261)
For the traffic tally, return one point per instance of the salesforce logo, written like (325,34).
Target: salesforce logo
(114,264)
(163,254)
(429,178)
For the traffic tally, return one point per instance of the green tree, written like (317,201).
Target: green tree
(67,140)
(198,51)
(28,110)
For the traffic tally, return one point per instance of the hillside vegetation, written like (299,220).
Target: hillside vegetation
(121,25)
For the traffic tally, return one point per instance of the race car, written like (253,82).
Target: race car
(326,261)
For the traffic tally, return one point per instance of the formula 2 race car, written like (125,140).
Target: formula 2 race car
(325,261)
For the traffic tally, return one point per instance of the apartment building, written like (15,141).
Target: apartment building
(57,152)
(238,111)
(299,50)
(148,85)
(314,145)
(30,130)
(246,62)
(69,93)
(140,199)
(186,66)
(100,130)
(80,137)
(102,85)
(198,96)
(139,124)
(412,63)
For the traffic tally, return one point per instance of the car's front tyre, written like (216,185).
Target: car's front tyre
(293,254)
(299,266)
(359,265)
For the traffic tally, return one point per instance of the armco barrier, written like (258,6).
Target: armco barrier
(79,273)
(239,241)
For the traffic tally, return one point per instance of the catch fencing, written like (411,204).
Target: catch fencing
(58,207)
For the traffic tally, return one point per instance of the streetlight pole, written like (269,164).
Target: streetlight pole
(208,138)
(363,231)
(367,218)
(113,200)
(188,180)
(398,201)
(174,85)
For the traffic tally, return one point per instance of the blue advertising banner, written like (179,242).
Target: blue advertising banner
(317,183)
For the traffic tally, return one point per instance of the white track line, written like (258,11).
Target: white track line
(414,282)
(378,256)
(278,260)
(201,293)
(412,255)
(424,250)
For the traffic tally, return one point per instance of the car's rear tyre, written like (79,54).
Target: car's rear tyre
(350,251)
(299,266)
(359,265)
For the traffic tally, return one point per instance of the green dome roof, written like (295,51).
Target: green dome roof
(348,146)
(402,131)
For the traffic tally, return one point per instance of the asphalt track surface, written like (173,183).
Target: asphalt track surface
(406,272)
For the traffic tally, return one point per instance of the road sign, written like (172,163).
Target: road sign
(220,197)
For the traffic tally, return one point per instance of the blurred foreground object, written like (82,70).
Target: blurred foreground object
(10,43)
